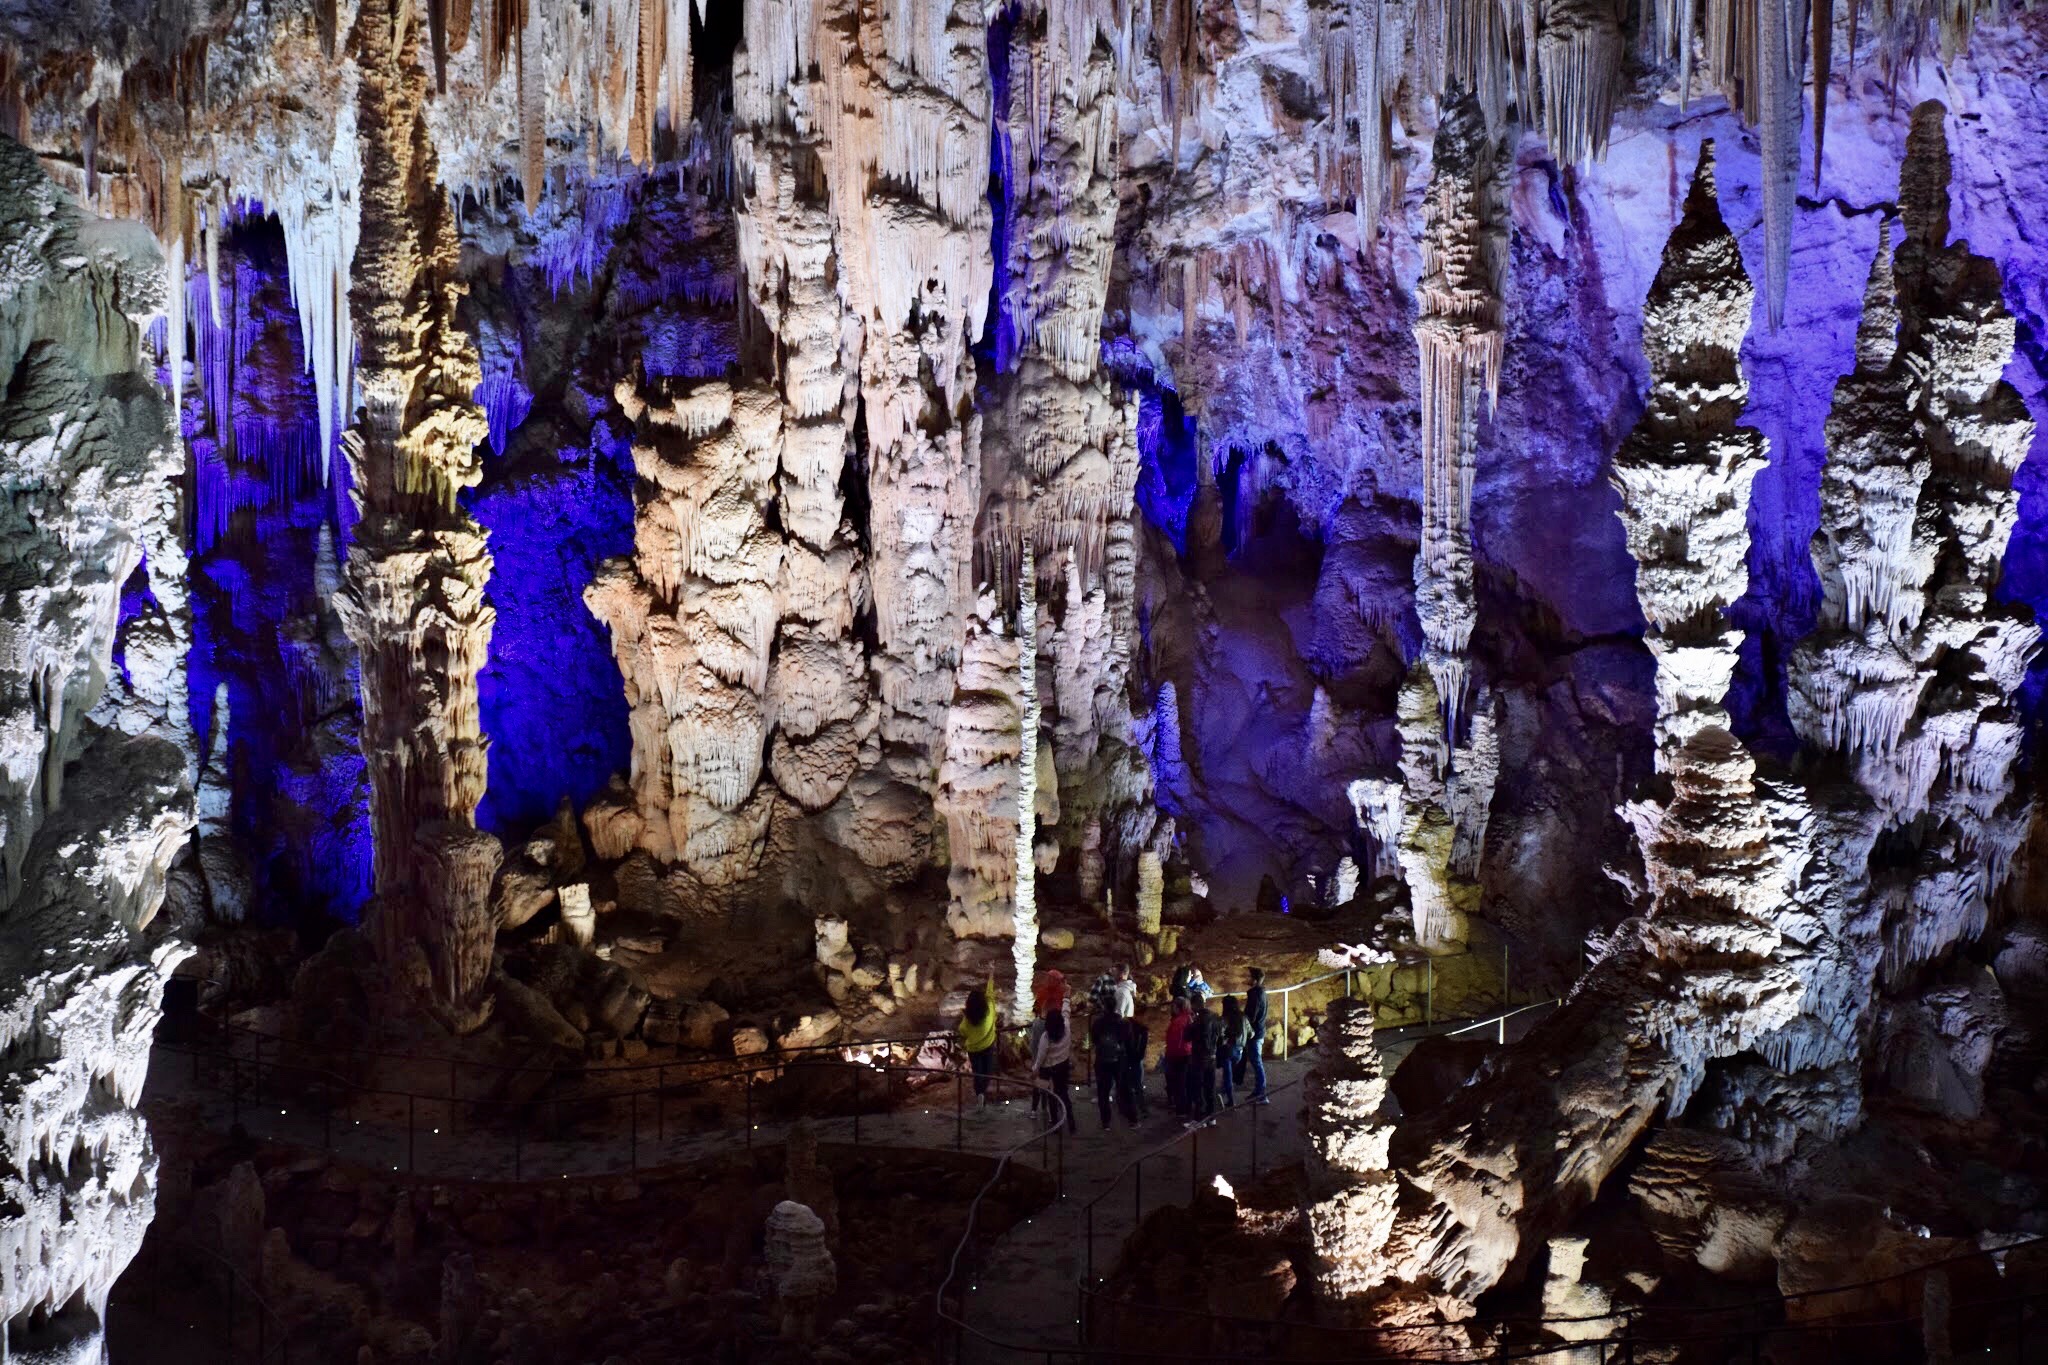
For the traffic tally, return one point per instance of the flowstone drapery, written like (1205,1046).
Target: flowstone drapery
(90,818)
(414,600)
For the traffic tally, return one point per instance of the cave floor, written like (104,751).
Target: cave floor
(1023,1291)
(1022,1288)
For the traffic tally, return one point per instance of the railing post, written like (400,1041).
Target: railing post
(1286,1029)
(1347,983)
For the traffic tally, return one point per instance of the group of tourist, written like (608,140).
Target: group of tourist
(1211,1047)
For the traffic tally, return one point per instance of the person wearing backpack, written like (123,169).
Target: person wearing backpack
(1106,1037)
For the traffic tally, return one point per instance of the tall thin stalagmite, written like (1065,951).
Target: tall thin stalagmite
(1448,773)
(414,598)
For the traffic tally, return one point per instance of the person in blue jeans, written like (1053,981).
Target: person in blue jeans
(1230,1049)
(1255,1025)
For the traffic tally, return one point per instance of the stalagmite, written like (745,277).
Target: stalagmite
(1350,1191)
(1684,473)
(413,604)
(980,794)
(1151,891)
(90,819)
(1024,887)
(1060,454)
(1911,672)
(1447,773)
(818,687)
(693,619)
(1706,974)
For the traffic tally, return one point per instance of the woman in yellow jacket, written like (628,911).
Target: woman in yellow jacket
(978,1035)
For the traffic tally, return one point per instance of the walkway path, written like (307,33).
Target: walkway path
(1025,1287)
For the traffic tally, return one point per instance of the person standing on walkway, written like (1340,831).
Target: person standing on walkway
(1032,1033)
(1231,1049)
(1255,1044)
(1205,1031)
(1054,1064)
(978,1036)
(1181,975)
(1199,990)
(1136,1039)
(1178,1050)
(1124,991)
(1106,1038)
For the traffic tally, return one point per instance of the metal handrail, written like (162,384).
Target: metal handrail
(772,1059)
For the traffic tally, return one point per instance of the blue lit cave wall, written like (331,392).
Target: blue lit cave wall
(612,278)
(1276,622)
(262,493)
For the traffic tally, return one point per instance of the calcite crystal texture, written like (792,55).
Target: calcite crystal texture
(414,604)
(90,818)
(1684,473)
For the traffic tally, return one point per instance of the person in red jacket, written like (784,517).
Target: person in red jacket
(1180,1049)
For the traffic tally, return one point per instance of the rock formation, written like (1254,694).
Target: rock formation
(1351,1192)
(1447,773)
(90,818)
(980,783)
(1770,930)
(1501,1166)
(1684,473)
(800,1264)
(414,604)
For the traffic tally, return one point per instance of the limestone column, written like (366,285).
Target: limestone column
(413,604)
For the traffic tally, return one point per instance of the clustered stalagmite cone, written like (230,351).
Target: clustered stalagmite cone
(1769,929)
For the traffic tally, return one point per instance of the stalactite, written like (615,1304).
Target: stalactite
(437,27)
(533,133)
(1458,335)
(1580,54)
